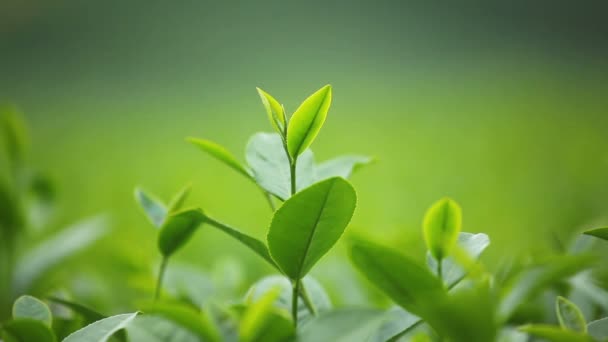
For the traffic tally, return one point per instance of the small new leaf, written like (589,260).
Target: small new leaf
(570,316)
(442,223)
(178,199)
(275,111)
(154,208)
(306,122)
(178,229)
(220,153)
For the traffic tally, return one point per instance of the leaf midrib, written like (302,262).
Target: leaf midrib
(297,152)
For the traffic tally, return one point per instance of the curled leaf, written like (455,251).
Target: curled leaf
(442,223)
(307,120)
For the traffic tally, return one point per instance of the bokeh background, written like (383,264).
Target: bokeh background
(502,106)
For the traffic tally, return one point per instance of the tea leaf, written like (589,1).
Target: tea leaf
(33,308)
(343,166)
(569,315)
(178,229)
(275,111)
(27,329)
(54,250)
(309,224)
(555,334)
(452,272)
(13,129)
(442,223)
(87,313)
(102,330)
(406,282)
(269,163)
(343,325)
(178,199)
(307,120)
(196,322)
(154,208)
(262,322)
(396,323)
(601,233)
(149,328)
(220,153)
(599,329)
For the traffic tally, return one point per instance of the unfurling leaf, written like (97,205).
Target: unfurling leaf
(178,229)
(276,114)
(178,199)
(309,223)
(442,223)
(569,315)
(262,322)
(154,208)
(307,120)
(32,308)
(220,153)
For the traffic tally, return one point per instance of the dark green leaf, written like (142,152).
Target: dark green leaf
(27,330)
(599,329)
(307,120)
(220,153)
(262,322)
(276,114)
(442,223)
(102,330)
(198,323)
(601,233)
(343,166)
(32,308)
(154,208)
(269,163)
(570,316)
(309,223)
(555,334)
(87,313)
(178,199)
(178,229)
(344,325)
(406,282)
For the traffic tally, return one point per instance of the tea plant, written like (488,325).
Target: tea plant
(454,297)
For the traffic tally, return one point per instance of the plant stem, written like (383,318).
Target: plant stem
(294,303)
(306,299)
(292,169)
(161,274)
(440,270)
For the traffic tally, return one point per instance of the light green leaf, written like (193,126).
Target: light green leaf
(87,313)
(533,281)
(269,163)
(220,153)
(54,250)
(154,208)
(343,325)
(178,229)
(101,331)
(308,224)
(343,166)
(189,283)
(149,328)
(262,322)
(33,308)
(318,296)
(406,282)
(555,334)
(452,272)
(442,223)
(395,321)
(307,120)
(569,315)
(601,233)
(14,132)
(275,111)
(26,330)
(599,329)
(194,321)
(178,199)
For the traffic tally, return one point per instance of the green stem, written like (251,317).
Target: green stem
(294,303)
(159,280)
(292,169)
(440,270)
(306,299)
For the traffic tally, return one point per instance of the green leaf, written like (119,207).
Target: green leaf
(569,315)
(601,233)
(306,122)
(189,283)
(442,223)
(343,325)
(154,208)
(178,199)
(406,282)
(194,321)
(12,216)
(26,330)
(87,313)
(318,296)
(54,250)
(262,322)
(178,229)
(343,166)
(269,163)
(14,132)
(220,153)
(275,111)
(452,272)
(533,281)
(308,224)
(102,330)
(395,321)
(33,308)
(149,328)
(555,334)
(599,329)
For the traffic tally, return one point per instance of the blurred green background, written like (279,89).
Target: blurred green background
(503,107)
